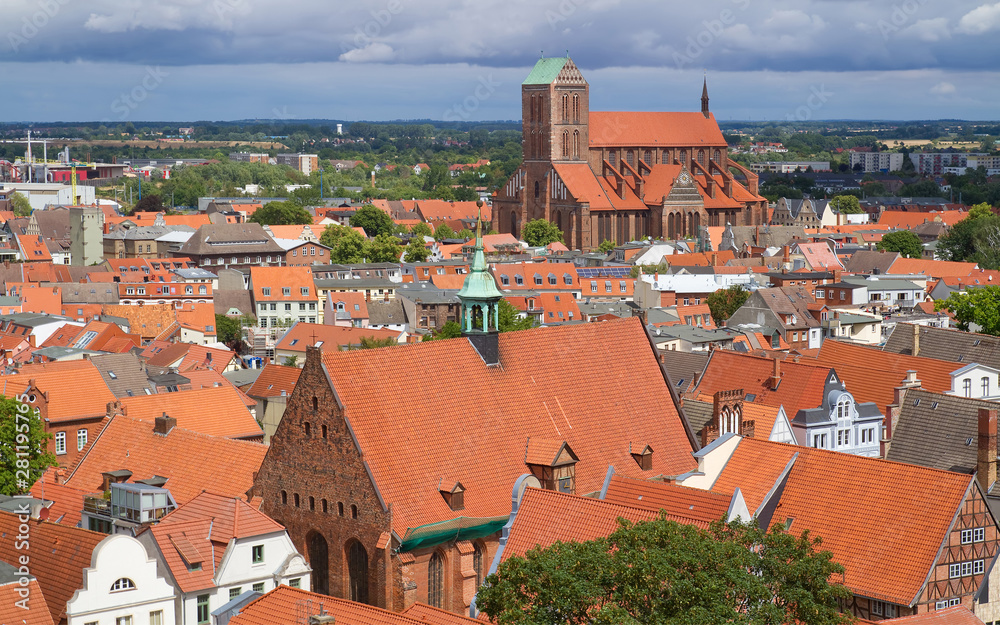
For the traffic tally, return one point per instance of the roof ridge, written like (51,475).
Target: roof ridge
(548,493)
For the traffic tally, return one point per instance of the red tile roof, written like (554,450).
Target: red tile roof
(909,220)
(274,380)
(801,384)
(675,500)
(10,612)
(435,616)
(73,391)
(545,517)
(216,411)
(186,356)
(283,605)
(301,335)
(956,615)
(59,553)
(854,504)
(931,268)
(67,502)
(566,389)
(191,461)
(629,128)
(440,210)
(277,278)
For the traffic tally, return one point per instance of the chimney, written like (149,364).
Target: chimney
(915,350)
(775,378)
(837,273)
(986,466)
(911,380)
(164,424)
(321,619)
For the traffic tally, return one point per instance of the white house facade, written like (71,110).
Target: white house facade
(840,423)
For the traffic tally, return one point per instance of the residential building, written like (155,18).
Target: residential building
(305,163)
(232,246)
(283,295)
(271,390)
(214,548)
(884,162)
(786,309)
(789,167)
(120,586)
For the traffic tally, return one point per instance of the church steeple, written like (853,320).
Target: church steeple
(480,302)
(704,98)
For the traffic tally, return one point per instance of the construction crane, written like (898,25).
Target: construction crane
(76,198)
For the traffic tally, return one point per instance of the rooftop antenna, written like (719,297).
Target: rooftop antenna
(541,53)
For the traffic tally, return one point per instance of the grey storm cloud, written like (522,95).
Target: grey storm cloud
(391,59)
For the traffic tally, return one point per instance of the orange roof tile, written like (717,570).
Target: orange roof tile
(448,281)
(274,380)
(33,247)
(147,320)
(871,374)
(73,392)
(628,128)
(955,615)
(58,561)
(482,445)
(801,384)
(301,335)
(191,461)
(67,502)
(10,612)
(545,517)
(435,616)
(675,500)
(440,210)
(197,317)
(559,307)
(216,411)
(283,605)
(909,220)
(854,504)
(581,182)
(187,356)
(931,268)
(276,278)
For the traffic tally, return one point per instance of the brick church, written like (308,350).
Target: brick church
(392,469)
(619,176)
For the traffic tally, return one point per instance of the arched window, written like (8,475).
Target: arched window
(477,563)
(701,157)
(340,508)
(613,158)
(324,505)
(357,572)
(308,429)
(435,580)
(324,430)
(284,498)
(565,144)
(844,420)
(684,157)
(315,403)
(630,158)
(531,110)
(122,583)
(576,108)
(647,157)
(513,223)
(354,511)
(296,496)
(718,156)
(312,503)
(565,108)
(537,188)
(576,144)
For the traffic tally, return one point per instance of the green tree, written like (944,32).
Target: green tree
(982,209)
(371,342)
(385,248)
(509,318)
(904,242)
(974,239)
(442,232)
(450,330)
(20,205)
(149,204)
(979,305)
(466,234)
(846,204)
(281,214)
(374,220)
(541,232)
(290,361)
(228,330)
(416,251)
(665,572)
(724,302)
(606,246)
(346,245)
(422,229)
(23,451)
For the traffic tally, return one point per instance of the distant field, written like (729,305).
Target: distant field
(111,143)
(941,144)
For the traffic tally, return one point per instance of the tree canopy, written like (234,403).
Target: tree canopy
(346,245)
(509,318)
(281,214)
(904,242)
(374,220)
(148,204)
(606,246)
(23,452)
(384,248)
(978,306)
(974,239)
(422,229)
(724,302)
(846,204)
(20,204)
(416,251)
(450,330)
(541,232)
(669,573)
(444,231)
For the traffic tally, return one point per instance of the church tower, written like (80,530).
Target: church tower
(480,303)
(704,98)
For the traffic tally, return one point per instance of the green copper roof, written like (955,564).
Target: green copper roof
(479,284)
(545,71)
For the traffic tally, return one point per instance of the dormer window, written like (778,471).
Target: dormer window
(453,493)
(644,457)
(553,463)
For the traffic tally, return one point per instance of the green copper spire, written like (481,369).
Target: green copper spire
(480,296)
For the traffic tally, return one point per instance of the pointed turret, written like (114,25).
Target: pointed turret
(704,98)
(480,299)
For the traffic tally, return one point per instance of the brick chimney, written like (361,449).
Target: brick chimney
(915,350)
(986,466)
(775,378)
(164,424)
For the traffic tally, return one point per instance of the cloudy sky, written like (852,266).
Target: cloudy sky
(135,60)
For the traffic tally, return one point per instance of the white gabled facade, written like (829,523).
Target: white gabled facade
(122,583)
